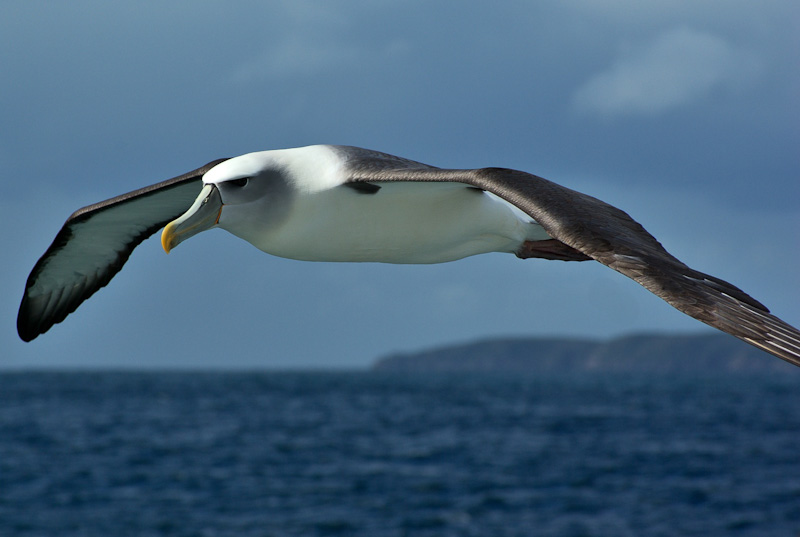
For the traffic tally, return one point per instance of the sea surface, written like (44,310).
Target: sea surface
(372,454)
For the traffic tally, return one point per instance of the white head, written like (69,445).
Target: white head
(252,194)
(255,191)
(247,195)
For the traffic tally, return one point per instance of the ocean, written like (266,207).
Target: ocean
(380,455)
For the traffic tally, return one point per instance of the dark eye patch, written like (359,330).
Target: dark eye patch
(239,182)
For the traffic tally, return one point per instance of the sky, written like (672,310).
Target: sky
(683,113)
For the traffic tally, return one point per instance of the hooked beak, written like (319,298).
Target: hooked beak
(202,215)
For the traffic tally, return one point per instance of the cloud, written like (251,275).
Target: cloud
(677,68)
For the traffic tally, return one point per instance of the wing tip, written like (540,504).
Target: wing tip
(26,328)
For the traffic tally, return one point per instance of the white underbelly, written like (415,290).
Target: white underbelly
(401,223)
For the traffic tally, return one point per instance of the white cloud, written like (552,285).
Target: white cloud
(678,67)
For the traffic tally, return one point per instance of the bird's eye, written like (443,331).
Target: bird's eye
(239,182)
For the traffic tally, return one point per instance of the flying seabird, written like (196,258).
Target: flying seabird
(342,203)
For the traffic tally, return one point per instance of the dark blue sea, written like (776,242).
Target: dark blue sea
(371,454)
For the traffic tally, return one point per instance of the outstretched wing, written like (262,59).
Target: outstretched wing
(93,245)
(613,238)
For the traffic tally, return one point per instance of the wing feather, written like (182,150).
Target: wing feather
(93,245)
(610,236)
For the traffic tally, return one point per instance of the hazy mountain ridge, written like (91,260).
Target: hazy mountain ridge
(638,352)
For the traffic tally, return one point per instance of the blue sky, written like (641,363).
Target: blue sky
(685,114)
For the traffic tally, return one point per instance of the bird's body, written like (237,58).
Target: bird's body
(341,203)
(404,224)
(315,217)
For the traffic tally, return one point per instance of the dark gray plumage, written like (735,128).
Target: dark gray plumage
(608,235)
(363,188)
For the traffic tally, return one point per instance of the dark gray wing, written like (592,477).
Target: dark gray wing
(93,245)
(613,238)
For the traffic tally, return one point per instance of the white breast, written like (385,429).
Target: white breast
(402,223)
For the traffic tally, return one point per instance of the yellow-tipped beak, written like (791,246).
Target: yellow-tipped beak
(168,237)
(202,215)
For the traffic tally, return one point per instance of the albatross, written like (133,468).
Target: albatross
(342,203)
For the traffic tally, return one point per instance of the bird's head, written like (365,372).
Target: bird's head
(245,195)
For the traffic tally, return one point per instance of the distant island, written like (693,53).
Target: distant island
(634,353)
